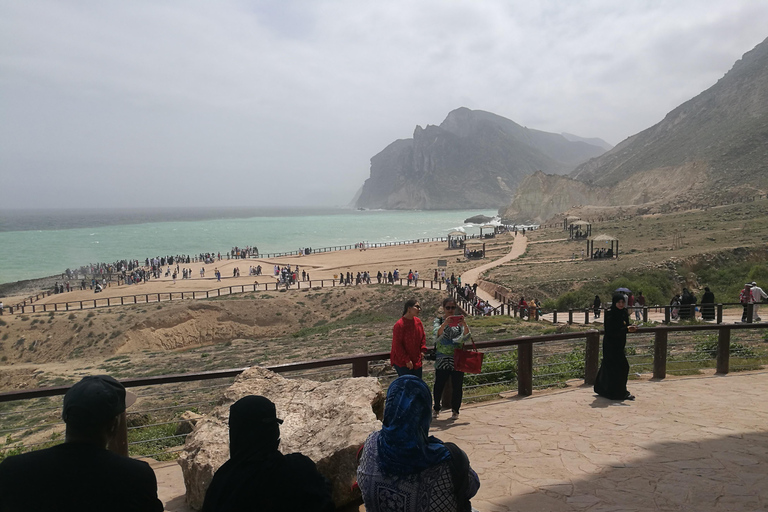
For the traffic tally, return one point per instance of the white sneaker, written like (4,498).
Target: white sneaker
(455,415)
(434,414)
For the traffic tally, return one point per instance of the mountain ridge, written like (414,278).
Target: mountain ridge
(473,159)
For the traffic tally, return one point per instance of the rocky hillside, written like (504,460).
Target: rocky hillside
(474,159)
(711,148)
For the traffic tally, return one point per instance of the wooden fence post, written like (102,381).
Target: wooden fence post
(667,315)
(723,350)
(645,314)
(360,369)
(719,313)
(660,355)
(570,316)
(525,369)
(591,357)
(554,317)
(586,317)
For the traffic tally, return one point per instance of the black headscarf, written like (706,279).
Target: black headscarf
(257,476)
(617,296)
(253,426)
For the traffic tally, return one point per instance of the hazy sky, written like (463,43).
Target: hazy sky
(259,103)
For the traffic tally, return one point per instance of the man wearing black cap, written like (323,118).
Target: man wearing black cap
(257,476)
(81,474)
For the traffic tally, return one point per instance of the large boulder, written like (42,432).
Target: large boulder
(326,421)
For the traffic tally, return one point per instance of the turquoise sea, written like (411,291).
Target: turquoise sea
(39,243)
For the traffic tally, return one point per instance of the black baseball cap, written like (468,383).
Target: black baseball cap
(95,399)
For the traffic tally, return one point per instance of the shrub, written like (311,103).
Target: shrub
(708,348)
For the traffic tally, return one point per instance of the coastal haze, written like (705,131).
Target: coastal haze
(285,103)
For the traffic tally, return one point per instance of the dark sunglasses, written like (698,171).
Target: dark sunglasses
(416,306)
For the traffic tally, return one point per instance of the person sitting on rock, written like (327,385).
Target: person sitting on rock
(257,476)
(81,475)
(403,468)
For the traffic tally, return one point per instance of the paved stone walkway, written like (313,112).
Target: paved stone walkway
(689,443)
(470,276)
(694,443)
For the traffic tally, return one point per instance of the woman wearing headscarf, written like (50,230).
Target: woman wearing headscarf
(257,476)
(687,307)
(409,342)
(596,306)
(402,468)
(708,304)
(612,377)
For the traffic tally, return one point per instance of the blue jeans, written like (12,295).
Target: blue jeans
(403,370)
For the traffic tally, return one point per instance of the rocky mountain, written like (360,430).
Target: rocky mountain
(474,159)
(711,148)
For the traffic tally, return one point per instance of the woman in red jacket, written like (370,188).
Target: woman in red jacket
(409,343)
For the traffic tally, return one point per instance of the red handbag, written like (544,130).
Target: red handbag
(468,361)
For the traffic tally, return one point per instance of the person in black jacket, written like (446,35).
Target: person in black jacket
(612,377)
(257,476)
(687,305)
(81,475)
(708,304)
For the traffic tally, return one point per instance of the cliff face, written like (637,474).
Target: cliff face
(711,148)
(474,159)
(542,196)
(725,128)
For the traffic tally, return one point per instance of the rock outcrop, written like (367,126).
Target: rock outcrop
(474,159)
(326,421)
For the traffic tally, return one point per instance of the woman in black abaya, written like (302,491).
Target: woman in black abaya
(708,305)
(612,377)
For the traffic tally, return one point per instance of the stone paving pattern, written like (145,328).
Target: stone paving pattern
(697,443)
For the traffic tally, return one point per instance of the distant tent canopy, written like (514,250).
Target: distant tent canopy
(456,239)
(580,229)
(474,249)
(568,221)
(602,252)
(492,227)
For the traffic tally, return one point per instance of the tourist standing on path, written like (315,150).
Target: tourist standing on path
(745,297)
(596,306)
(612,377)
(409,342)
(402,468)
(450,331)
(708,304)
(639,305)
(757,295)
(687,305)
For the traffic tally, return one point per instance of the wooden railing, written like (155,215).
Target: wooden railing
(525,348)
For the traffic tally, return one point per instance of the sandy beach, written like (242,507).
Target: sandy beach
(421,257)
